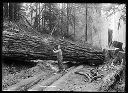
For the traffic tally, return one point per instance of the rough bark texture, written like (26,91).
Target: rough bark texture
(24,84)
(42,85)
(25,44)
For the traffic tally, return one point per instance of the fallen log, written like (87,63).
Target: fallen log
(46,83)
(41,86)
(110,79)
(57,83)
(105,82)
(28,46)
(27,83)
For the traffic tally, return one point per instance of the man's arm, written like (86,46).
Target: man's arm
(55,51)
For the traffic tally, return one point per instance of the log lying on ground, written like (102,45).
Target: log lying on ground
(57,83)
(110,79)
(41,86)
(27,83)
(106,82)
(29,46)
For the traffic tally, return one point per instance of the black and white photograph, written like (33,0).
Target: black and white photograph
(77,47)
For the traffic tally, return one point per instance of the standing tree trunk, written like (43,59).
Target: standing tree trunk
(31,15)
(50,25)
(36,20)
(39,16)
(10,12)
(62,21)
(5,10)
(86,25)
(67,17)
(18,9)
(13,11)
(43,16)
(74,23)
(109,37)
(43,19)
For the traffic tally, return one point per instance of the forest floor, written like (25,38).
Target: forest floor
(68,82)
(13,74)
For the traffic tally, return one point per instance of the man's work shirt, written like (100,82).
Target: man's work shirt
(59,54)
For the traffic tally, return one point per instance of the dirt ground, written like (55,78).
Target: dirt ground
(10,78)
(77,82)
(73,82)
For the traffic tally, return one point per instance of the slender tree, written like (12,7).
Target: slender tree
(50,17)
(36,19)
(67,16)
(62,19)
(5,10)
(39,17)
(44,16)
(16,8)
(11,11)
(86,24)
(74,22)
(31,13)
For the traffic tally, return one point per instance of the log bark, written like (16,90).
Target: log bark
(46,83)
(26,45)
(57,83)
(27,83)
(41,86)
(110,79)
(106,81)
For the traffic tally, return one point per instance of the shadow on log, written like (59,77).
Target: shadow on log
(26,46)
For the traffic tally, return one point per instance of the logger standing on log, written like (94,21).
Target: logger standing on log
(59,58)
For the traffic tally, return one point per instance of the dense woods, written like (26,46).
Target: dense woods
(91,34)
(62,19)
